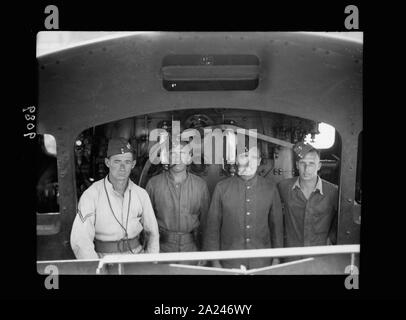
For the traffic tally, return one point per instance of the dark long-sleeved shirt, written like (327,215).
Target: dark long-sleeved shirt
(244,215)
(178,207)
(309,222)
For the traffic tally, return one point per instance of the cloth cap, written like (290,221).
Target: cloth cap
(118,146)
(301,148)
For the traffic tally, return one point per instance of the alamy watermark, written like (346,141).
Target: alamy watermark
(351,22)
(52,280)
(351,281)
(233,142)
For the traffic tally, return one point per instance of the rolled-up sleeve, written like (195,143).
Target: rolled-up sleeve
(83,228)
(276,220)
(150,224)
(212,223)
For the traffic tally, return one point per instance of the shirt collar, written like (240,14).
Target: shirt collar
(169,177)
(249,182)
(110,185)
(319,185)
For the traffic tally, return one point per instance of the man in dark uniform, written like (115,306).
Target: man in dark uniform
(180,199)
(310,203)
(245,213)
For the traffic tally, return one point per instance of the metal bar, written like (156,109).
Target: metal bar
(200,268)
(219,255)
(240,271)
(99,267)
(352,263)
(66,261)
(281,265)
(231,254)
(256,135)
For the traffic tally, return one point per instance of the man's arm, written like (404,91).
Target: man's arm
(276,223)
(150,225)
(276,220)
(212,224)
(204,208)
(83,230)
(332,235)
(150,190)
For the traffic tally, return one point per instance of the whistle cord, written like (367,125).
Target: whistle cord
(128,211)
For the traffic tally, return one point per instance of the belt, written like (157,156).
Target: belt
(170,236)
(122,245)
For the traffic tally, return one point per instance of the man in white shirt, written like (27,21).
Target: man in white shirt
(114,211)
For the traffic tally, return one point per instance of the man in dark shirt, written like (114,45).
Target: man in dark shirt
(245,213)
(180,199)
(310,203)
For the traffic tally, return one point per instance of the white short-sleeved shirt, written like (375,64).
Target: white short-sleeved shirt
(95,219)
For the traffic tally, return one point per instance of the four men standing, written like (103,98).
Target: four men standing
(245,211)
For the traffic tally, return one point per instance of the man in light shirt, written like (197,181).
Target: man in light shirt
(114,211)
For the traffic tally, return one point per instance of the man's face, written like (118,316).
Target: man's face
(182,157)
(308,166)
(248,162)
(120,165)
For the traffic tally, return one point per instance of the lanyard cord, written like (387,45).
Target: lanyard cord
(128,211)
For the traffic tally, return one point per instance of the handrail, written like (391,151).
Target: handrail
(228,254)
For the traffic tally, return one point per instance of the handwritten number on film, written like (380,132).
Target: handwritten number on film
(30,118)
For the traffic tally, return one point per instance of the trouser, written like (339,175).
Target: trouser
(177,242)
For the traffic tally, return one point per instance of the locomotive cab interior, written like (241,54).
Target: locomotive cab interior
(278,161)
(288,86)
